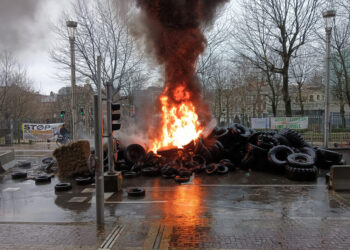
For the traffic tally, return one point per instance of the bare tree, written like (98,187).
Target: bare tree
(275,29)
(102,30)
(302,67)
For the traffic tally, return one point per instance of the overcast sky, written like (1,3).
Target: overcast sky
(25,31)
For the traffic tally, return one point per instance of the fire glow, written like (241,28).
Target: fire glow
(180,123)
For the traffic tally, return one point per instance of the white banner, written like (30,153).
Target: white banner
(260,123)
(289,122)
(40,132)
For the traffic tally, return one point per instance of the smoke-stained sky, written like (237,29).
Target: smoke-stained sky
(25,31)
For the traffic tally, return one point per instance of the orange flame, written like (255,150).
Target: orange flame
(180,123)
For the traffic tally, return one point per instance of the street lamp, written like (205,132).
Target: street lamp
(328,16)
(71,27)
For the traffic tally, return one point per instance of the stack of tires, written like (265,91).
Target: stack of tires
(287,153)
(225,149)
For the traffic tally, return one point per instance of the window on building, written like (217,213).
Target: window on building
(318,97)
(311,98)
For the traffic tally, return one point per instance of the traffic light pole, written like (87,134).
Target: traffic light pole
(111,170)
(99,173)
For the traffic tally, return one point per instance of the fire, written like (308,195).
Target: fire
(180,123)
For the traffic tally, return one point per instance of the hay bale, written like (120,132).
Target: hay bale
(72,158)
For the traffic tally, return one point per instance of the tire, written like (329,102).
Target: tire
(47,160)
(229,164)
(328,175)
(328,155)
(42,179)
(82,181)
(206,154)
(301,174)
(150,171)
(180,179)
(277,156)
(240,132)
(293,137)
(168,176)
(281,139)
(300,160)
(309,151)
(24,164)
(19,175)
(222,169)
(60,187)
(129,174)
(253,138)
(136,192)
(134,153)
(211,168)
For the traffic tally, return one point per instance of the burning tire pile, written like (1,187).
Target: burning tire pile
(227,149)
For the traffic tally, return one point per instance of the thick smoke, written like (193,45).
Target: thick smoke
(15,18)
(172,31)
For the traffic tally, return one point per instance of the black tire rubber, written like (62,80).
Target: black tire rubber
(134,153)
(129,174)
(82,181)
(301,174)
(206,154)
(180,179)
(300,160)
(253,138)
(240,132)
(281,139)
(200,160)
(309,151)
(277,156)
(248,161)
(19,175)
(24,164)
(294,138)
(222,169)
(47,160)
(328,175)
(211,168)
(42,179)
(60,187)
(136,192)
(329,155)
(168,176)
(150,171)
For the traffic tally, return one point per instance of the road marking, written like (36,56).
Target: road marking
(88,190)
(11,189)
(78,199)
(106,197)
(262,185)
(135,202)
(112,238)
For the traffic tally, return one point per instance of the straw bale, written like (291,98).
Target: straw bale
(72,158)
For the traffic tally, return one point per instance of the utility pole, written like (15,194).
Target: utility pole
(328,16)
(71,25)
(99,173)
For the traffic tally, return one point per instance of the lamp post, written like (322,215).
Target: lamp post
(328,17)
(71,26)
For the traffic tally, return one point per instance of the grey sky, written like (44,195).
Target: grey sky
(25,31)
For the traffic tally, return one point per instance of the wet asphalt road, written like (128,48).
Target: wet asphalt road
(240,210)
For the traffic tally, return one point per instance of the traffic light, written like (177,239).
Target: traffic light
(115,117)
(63,113)
(82,111)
